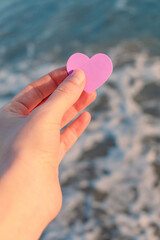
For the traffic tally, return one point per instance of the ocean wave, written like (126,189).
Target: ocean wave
(110,178)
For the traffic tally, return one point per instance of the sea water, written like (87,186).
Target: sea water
(111,177)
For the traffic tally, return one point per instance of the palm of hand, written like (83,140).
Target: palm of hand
(32,144)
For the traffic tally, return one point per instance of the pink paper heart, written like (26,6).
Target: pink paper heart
(97,69)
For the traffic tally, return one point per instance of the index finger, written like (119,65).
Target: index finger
(34,93)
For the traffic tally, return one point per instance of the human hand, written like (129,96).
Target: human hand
(32,147)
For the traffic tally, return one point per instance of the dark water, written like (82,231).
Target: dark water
(52,30)
(111,177)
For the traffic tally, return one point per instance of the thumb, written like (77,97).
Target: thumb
(65,95)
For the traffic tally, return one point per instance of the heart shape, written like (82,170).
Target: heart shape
(97,69)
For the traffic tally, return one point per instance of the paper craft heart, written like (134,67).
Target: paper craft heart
(97,69)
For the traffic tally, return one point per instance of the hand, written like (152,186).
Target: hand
(32,147)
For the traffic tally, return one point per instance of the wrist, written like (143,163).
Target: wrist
(21,216)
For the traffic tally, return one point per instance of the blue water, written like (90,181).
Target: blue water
(112,172)
(52,30)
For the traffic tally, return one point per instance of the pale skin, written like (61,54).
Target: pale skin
(32,146)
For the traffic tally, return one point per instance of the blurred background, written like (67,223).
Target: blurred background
(111,177)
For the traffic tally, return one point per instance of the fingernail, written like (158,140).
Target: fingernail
(78,75)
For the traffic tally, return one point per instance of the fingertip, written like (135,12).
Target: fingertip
(94,95)
(87,116)
(60,73)
(78,73)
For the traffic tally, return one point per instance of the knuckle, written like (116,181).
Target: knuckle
(73,83)
(67,92)
(61,90)
(73,133)
(36,90)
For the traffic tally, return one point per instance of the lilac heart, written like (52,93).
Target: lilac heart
(97,69)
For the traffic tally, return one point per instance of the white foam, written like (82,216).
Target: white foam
(124,176)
